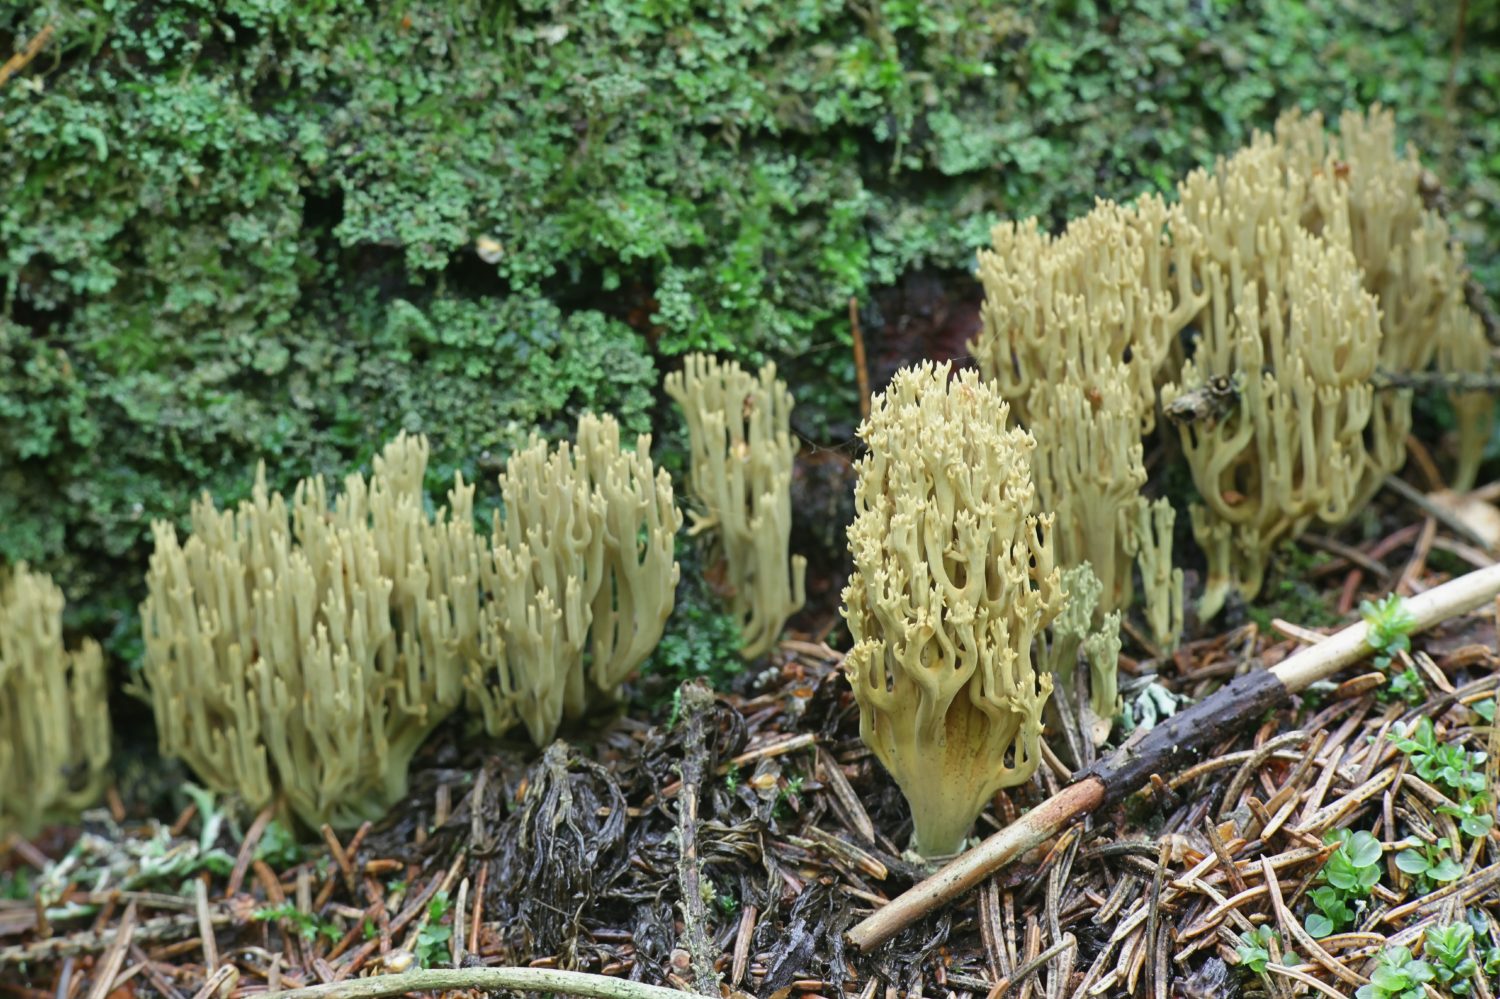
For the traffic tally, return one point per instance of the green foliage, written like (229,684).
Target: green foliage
(1451,768)
(278,846)
(1390,626)
(1347,877)
(16,885)
(1431,864)
(1292,592)
(1446,949)
(292,229)
(787,795)
(433,945)
(1407,686)
(1455,771)
(1355,866)
(1397,975)
(1255,951)
(1334,912)
(700,639)
(1490,955)
(308,924)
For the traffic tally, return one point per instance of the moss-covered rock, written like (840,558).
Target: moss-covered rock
(290,229)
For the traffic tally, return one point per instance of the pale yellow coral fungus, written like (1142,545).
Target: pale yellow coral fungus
(1289,321)
(1073,632)
(305,654)
(739,432)
(638,584)
(953,580)
(541,573)
(1089,469)
(1078,330)
(1105,300)
(579,576)
(1409,260)
(54,711)
(1261,258)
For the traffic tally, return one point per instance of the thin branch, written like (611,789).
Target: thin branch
(697,705)
(861,368)
(574,983)
(22,59)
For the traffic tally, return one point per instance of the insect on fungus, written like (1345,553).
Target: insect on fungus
(1208,403)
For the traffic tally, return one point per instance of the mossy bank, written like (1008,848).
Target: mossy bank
(286,230)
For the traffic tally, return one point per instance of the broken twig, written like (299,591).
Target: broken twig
(697,705)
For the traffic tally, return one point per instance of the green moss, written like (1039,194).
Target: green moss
(1292,593)
(253,228)
(700,639)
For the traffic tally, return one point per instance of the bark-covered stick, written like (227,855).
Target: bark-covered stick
(572,983)
(1176,741)
(697,705)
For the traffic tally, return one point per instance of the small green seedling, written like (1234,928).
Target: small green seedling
(1397,975)
(1390,630)
(788,794)
(1355,866)
(432,940)
(1351,871)
(307,924)
(278,847)
(1255,952)
(1390,627)
(1407,686)
(1334,912)
(1453,770)
(1489,953)
(1447,951)
(1430,864)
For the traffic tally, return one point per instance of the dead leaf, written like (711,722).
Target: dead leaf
(1478,516)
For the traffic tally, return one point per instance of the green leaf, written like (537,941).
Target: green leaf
(1446,869)
(1412,862)
(1364,849)
(1254,957)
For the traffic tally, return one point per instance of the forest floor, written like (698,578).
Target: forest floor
(575,860)
(742,839)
